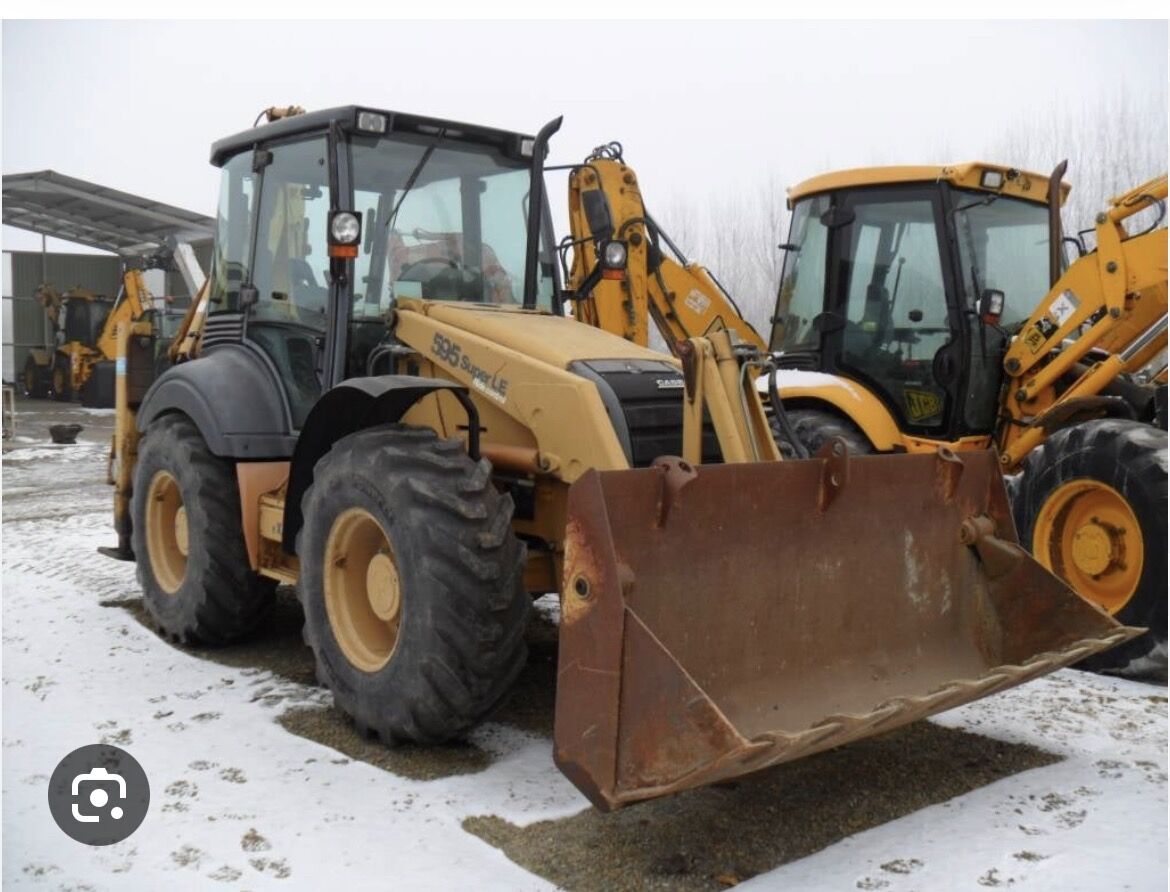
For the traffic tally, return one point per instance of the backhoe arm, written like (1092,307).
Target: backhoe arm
(655,282)
(1113,299)
(51,301)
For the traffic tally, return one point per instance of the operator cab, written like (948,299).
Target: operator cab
(899,278)
(326,219)
(83,315)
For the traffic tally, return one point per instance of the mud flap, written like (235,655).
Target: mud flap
(721,619)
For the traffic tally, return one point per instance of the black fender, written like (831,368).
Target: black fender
(352,406)
(233,397)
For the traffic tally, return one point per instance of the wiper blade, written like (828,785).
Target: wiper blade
(412,179)
(982,202)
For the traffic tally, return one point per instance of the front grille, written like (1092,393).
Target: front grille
(223,328)
(644,400)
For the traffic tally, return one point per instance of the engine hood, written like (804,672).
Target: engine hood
(557,340)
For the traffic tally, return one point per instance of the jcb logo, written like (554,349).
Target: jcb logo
(922,404)
(1034,339)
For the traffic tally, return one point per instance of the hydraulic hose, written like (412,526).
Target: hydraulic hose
(781,416)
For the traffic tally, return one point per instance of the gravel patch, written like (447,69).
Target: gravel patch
(718,836)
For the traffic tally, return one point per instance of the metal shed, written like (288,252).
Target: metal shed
(128,226)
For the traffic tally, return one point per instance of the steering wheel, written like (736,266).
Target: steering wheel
(429,261)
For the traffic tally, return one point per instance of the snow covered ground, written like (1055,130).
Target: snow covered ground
(239,802)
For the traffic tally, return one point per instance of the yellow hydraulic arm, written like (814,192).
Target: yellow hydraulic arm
(1113,299)
(131,305)
(657,282)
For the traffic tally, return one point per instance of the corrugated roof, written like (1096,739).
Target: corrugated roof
(50,203)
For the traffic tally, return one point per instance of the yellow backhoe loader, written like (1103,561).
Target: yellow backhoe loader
(84,323)
(378,398)
(927,307)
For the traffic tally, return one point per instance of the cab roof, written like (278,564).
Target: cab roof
(967,175)
(346,117)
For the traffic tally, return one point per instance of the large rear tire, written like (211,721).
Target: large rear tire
(814,426)
(188,537)
(1091,506)
(412,584)
(37,379)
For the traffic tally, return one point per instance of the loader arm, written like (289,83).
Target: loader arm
(1114,300)
(131,306)
(51,301)
(682,297)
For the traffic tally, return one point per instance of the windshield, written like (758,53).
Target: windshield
(1003,245)
(801,296)
(441,221)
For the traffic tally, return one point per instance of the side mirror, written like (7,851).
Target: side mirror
(598,214)
(991,305)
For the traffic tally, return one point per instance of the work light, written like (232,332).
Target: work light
(371,122)
(613,255)
(345,228)
(345,233)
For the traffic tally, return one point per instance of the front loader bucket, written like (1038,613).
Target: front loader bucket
(722,619)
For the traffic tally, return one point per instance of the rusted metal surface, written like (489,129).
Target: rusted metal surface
(721,619)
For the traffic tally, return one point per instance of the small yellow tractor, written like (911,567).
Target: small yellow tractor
(379,399)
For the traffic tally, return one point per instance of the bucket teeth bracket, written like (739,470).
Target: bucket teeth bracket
(676,474)
(947,470)
(998,556)
(834,453)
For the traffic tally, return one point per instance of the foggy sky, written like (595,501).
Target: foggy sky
(699,106)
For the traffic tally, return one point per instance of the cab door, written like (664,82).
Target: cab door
(287,312)
(888,287)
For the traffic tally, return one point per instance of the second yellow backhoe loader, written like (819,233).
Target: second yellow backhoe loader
(84,323)
(927,307)
(379,399)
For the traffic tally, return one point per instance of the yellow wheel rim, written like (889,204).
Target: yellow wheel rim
(166,531)
(30,378)
(59,380)
(1087,534)
(363,593)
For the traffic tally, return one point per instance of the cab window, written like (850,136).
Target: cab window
(802,286)
(896,314)
(290,269)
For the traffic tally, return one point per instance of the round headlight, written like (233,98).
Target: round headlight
(614,255)
(345,228)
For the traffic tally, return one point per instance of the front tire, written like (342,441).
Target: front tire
(412,584)
(814,426)
(36,379)
(62,380)
(188,537)
(1091,506)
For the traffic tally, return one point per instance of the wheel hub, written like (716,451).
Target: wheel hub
(167,536)
(181,541)
(1097,547)
(1087,533)
(363,592)
(382,587)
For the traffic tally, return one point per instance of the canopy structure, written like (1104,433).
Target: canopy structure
(50,203)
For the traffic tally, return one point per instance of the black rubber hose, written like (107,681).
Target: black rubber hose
(782,416)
